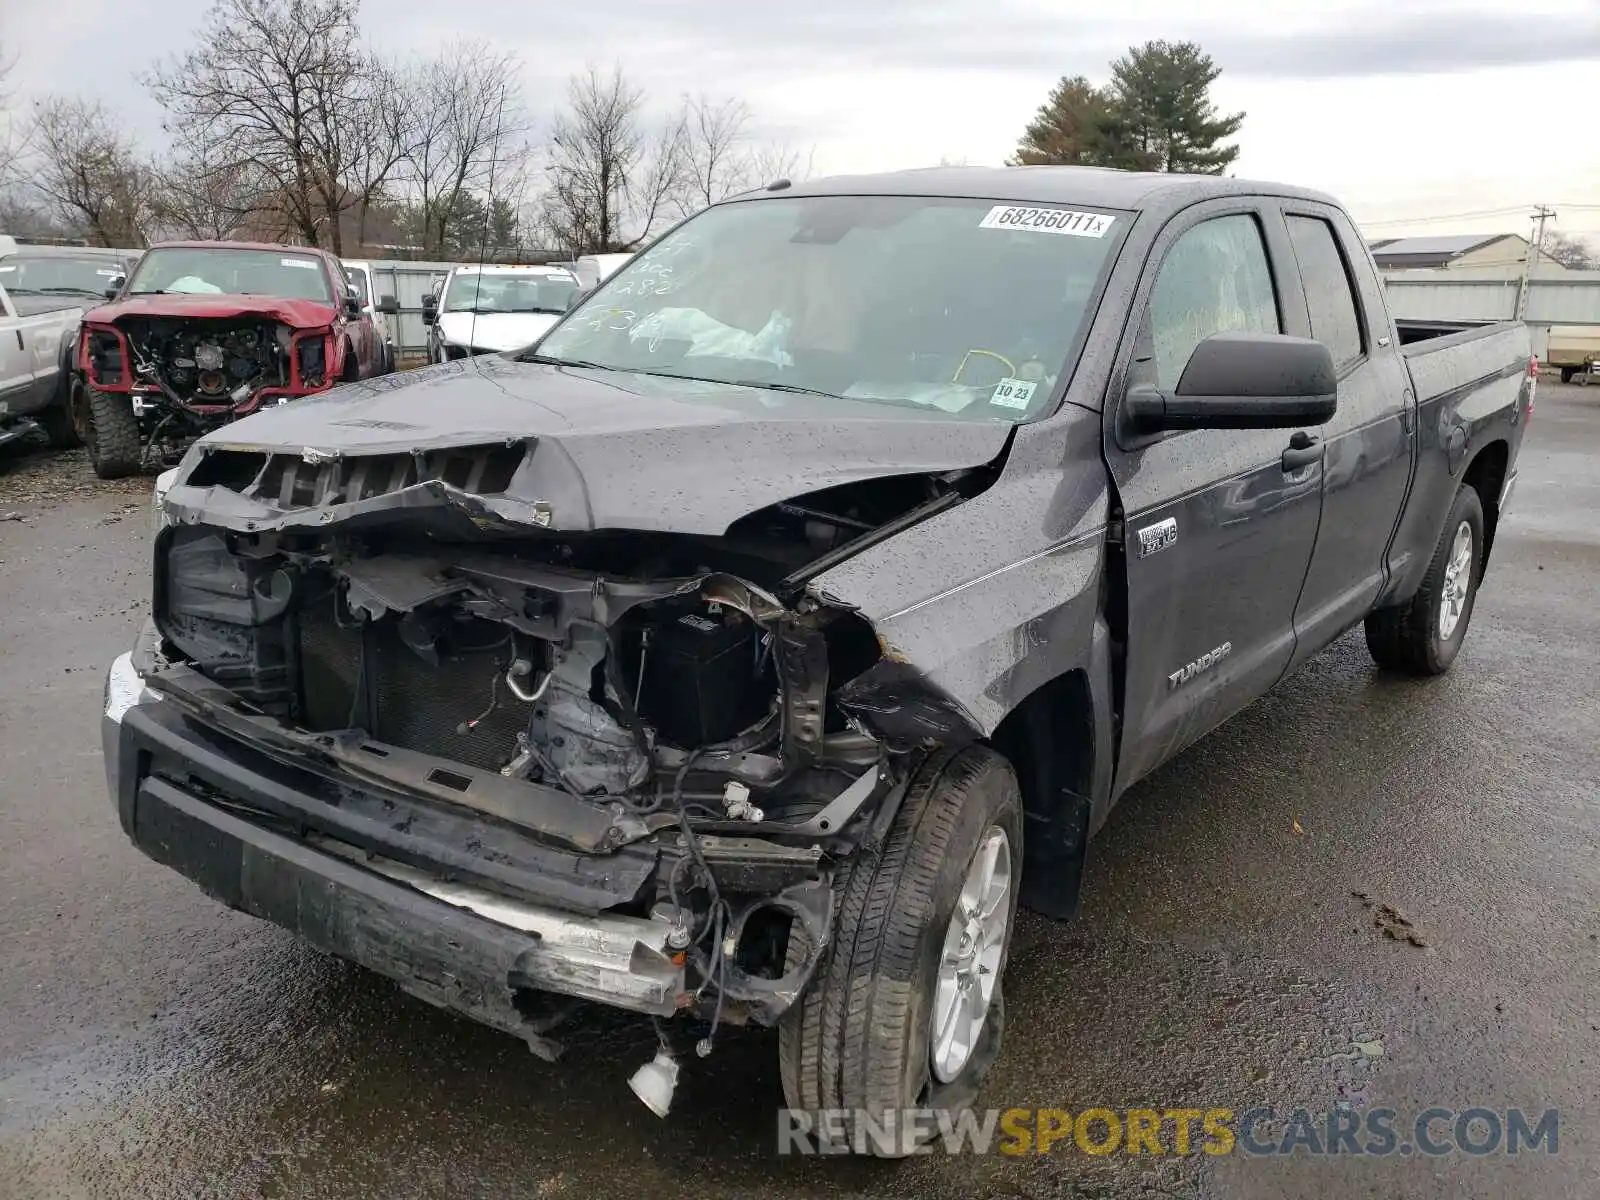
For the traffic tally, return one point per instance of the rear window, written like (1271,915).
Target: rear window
(1335,319)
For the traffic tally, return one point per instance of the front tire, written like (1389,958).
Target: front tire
(116,447)
(906,1010)
(1424,635)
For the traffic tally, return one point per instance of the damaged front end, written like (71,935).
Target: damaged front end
(664,723)
(185,376)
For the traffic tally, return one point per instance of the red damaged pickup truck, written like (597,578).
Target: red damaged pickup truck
(205,332)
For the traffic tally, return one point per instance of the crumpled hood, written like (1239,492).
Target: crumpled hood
(299,314)
(611,450)
(495,331)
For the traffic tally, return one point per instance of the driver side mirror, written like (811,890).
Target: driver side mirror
(115,286)
(388,305)
(430,308)
(352,300)
(1242,381)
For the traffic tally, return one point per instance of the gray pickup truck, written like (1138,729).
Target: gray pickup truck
(750,647)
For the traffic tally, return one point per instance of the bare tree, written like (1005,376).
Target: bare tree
(716,161)
(204,192)
(275,81)
(771,161)
(1573,253)
(383,131)
(89,171)
(469,132)
(721,154)
(13,132)
(610,177)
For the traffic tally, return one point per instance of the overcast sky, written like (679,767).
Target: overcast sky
(1420,108)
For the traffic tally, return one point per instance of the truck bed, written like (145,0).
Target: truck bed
(1463,358)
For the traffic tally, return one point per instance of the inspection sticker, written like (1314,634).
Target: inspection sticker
(1047,220)
(299,262)
(1012,393)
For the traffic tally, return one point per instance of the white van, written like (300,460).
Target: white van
(592,268)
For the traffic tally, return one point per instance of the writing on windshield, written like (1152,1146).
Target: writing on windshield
(964,306)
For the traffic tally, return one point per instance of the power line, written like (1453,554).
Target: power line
(1486,212)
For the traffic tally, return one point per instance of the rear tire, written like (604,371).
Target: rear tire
(1567,373)
(860,1037)
(1424,635)
(116,447)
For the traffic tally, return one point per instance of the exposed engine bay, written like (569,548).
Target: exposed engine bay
(210,362)
(607,691)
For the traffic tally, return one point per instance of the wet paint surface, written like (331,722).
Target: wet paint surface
(156,1045)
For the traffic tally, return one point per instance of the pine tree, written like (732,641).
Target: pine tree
(1155,115)
(1162,92)
(1074,127)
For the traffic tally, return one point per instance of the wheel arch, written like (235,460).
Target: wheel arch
(1058,740)
(1486,474)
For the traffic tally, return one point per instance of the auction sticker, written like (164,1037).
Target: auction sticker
(1012,393)
(298,262)
(1047,220)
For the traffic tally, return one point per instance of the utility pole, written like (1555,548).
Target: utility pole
(1541,214)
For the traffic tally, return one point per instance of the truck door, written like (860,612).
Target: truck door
(1219,524)
(43,334)
(16,361)
(1367,446)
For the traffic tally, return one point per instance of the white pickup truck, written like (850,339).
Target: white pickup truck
(32,395)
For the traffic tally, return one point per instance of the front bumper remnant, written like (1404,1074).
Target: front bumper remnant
(452,944)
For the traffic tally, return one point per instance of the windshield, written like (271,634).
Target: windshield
(222,269)
(57,276)
(966,306)
(496,293)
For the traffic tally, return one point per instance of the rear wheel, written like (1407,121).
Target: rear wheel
(115,444)
(906,1010)
(1424,635)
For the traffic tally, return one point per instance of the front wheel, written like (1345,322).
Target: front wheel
(116,447)
(905,1011)
(1424,635)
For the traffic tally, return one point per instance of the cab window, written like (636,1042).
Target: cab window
(1215,279)
(1329,291)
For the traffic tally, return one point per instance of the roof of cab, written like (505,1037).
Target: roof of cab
(1094,187)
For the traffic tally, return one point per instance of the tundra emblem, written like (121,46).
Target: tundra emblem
(1204,663)
(1157,537)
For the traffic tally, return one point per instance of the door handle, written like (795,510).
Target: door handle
(1304,449)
